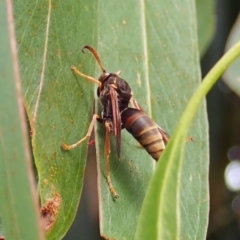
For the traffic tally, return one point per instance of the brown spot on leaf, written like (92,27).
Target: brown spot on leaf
(189,139)
(59,53)
(32,127)
(53,5)
(45,181)
(49,212)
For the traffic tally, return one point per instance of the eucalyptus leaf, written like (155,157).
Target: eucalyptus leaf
(206,23)
(18,198)
(232,76)
(154,44)
(50,36)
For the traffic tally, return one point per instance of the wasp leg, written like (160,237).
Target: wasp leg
(107,152)
(86,76)
(68,147)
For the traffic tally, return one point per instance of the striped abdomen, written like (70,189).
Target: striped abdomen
(144,130)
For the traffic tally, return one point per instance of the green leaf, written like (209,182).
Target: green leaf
(206,23)
(18,198)
(50,36)
(154,45)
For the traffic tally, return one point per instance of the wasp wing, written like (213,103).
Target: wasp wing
(117,124)
(165,135)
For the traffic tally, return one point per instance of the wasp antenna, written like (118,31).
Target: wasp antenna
(95,55)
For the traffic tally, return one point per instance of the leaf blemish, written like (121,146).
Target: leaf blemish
(49,212)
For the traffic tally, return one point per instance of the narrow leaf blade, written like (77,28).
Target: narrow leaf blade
(16,177)
(155,49)
(59,104)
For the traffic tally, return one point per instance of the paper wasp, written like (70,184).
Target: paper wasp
(115,96)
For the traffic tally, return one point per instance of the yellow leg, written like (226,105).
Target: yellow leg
(86,76)
(107,152)
(68,147)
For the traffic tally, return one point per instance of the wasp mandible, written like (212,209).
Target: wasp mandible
(115,96)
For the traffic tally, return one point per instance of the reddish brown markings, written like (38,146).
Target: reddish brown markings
(53,5)
(49,212)
(59,53)
(188,139)
(45,181)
